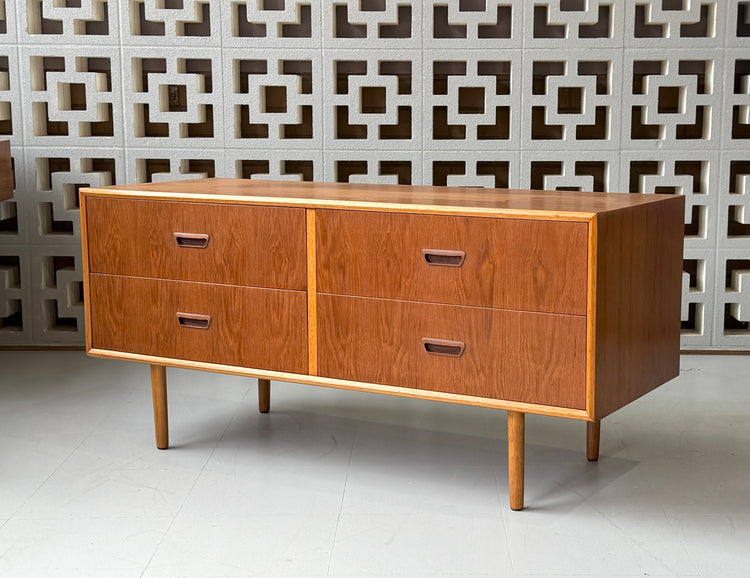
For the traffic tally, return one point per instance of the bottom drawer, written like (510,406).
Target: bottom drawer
(230,325)
(521,356)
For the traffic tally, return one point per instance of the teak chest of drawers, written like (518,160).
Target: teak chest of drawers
(558,303)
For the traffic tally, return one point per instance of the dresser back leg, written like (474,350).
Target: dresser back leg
(264,395)
(159,393)
(593,429)
(516,442)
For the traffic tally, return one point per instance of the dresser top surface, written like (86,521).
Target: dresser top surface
(551,204)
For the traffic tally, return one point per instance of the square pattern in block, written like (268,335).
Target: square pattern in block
(670,99)
(57,291)
(286,165)
(174,97)
(176,23)
(733,226)
(697,313)
(272,23)
(89,22)
(374,100)
(54,177)
(736,117)
(72,99)
(488,169)
(674,23)
(474,101)
(595,23)
(574,99)
(16,302)
(381,167)
(11,126)
(161,165)
(694,175)
(732,309)
(596,171)
(273,99)
(390,23)
(468,24)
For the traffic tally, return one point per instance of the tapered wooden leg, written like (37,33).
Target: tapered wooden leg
(593,428)
(516,435)
(159,392)
(264,395)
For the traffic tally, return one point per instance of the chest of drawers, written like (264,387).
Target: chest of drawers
(558,303)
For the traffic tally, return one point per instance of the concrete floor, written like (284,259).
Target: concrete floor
(336,483)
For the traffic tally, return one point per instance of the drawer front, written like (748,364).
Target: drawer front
(510,355)
(232,244)
(505,263)
(241,326)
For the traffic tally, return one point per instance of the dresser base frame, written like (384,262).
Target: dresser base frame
(516,422)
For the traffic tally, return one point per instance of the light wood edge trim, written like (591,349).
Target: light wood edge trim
(312,296)
(85,264)
(349,205)
(343,384)
(591,319)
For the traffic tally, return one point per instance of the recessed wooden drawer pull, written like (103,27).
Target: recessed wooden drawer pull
(443,347)
(444,258)
(194,321)
(194,240)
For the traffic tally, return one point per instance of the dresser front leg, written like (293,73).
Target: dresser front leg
(159,393)
(593,428)
(264,395)
(516,435)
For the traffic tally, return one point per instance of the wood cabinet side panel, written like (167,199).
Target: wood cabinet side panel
(638,283)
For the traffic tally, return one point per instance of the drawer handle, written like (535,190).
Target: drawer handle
(194,240)
(194,321)
(443,258)
(443,347)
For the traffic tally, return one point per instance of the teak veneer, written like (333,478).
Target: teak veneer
(556,303)
(6,171)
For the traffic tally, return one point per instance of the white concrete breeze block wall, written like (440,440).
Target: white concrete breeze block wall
(642,96)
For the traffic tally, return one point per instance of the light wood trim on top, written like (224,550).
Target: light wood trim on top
(344,384)
(312,295)
(510,203)
(6,171)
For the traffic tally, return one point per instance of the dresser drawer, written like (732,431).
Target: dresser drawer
(242,326)
(510,355)
(502,263)
(213,243)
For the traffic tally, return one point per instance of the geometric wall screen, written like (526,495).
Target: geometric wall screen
(635,96)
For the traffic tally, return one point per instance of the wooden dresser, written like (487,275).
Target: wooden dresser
(6,171)
(557,303)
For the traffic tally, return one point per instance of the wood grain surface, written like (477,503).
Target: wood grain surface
(6,171)
(639,280)
(250,327)
(571,205)
(247,245)
(535,358)
(513,264)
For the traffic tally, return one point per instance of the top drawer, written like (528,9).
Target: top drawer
(503,263)
(229,244)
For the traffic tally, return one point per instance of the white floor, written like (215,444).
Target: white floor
(335,483)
